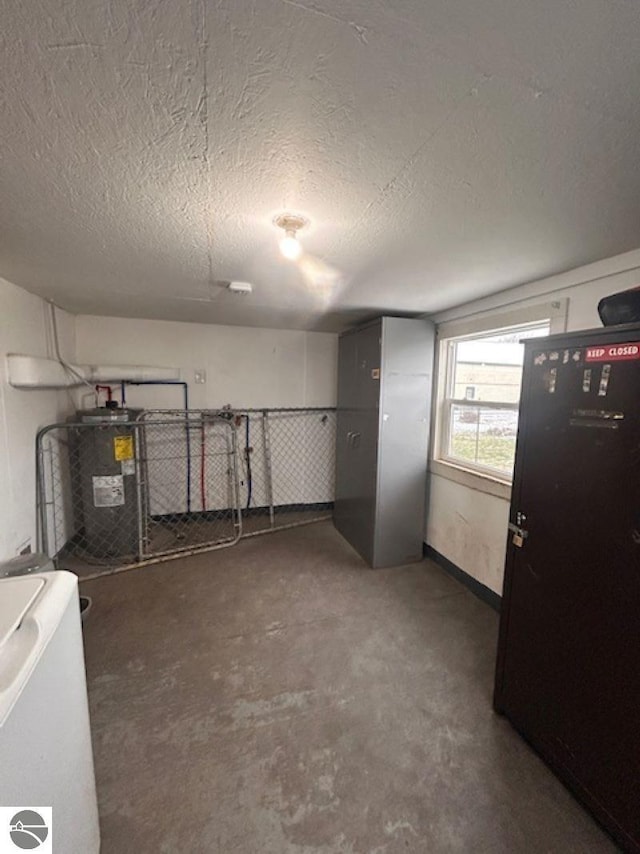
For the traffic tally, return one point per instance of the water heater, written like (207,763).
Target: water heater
(104,480)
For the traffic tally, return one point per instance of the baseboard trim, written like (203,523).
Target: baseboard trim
(476,587)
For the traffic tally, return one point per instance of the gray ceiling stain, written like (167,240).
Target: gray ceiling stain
(442,150)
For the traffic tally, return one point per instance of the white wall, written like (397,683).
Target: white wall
(468,526)
(245,367)
(254,368)
(25,328)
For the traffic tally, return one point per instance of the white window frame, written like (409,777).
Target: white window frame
(449,401)
(482,478)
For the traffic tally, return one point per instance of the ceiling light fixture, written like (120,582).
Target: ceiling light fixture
(291,224)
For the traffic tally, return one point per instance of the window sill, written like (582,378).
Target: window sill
(491,484)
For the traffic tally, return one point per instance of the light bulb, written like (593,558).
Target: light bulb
(290,246)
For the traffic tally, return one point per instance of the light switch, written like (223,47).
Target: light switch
(200,375)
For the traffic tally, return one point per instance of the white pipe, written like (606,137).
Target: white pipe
(35,372)
(137,373)
(56,343)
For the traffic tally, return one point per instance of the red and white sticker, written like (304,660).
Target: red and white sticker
(613,353)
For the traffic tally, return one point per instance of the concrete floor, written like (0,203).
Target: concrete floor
(281,697)
(172,533)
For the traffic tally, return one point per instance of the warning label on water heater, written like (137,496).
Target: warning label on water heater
(108,490)
(613,352)
(128,466)
(123,448)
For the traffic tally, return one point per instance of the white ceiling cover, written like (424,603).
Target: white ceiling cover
(443,150)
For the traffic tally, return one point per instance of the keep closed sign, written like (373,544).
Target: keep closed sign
(613,353)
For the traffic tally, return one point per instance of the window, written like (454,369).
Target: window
(479,416)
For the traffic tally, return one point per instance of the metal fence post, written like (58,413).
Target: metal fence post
(140,499)
(236,480)
(41,506)
(267,465)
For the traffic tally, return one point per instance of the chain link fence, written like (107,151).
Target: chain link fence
(173,482)
(286,460)
(113,494)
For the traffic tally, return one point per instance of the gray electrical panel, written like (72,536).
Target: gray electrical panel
(385,373)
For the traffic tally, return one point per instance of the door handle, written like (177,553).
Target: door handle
(355,440)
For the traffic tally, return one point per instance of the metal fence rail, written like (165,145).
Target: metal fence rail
(286,463)
(176,482)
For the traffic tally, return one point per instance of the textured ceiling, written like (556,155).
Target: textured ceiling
(443,150)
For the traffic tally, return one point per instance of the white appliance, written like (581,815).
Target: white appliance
(45,740)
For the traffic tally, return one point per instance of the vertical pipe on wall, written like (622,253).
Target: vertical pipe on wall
(106,388)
